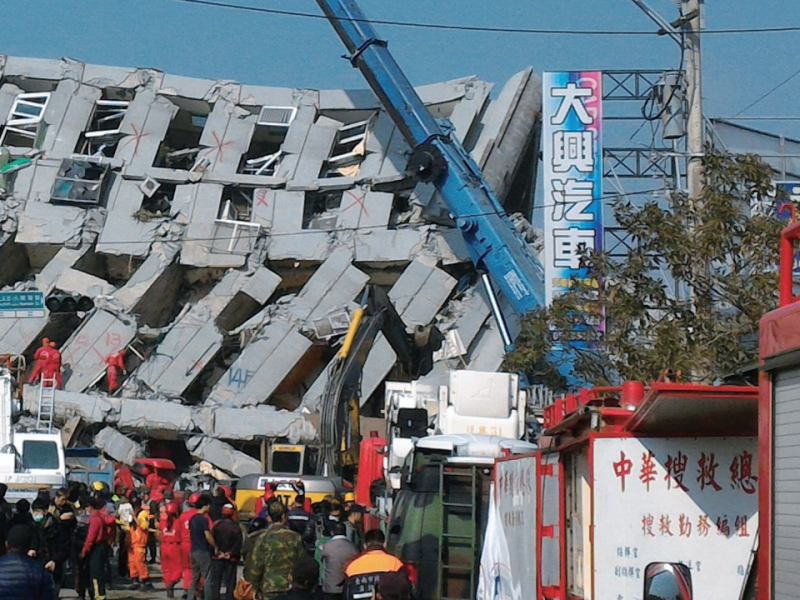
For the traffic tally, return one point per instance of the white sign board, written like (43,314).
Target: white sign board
(515,486)
(688,500)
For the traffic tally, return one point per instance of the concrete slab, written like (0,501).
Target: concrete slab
(77,282)
(248,424)
(118,446)
(194,340)
(335,284)
(261,367)
(92,408)
(84,353)
(223,456)
(154,418)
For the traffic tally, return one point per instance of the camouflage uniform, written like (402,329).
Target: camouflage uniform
(274,555)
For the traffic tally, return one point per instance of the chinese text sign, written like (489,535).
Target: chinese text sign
(573,173)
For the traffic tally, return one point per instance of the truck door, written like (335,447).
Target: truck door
(551,533)
(576,523)
(786,491)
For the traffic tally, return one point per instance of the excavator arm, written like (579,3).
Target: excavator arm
(340,435)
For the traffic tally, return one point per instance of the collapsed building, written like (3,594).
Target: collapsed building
(225,233)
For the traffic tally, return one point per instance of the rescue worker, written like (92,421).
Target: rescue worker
(262,501)
(116,366)
(137,550)
(52,368)
(171,565)
(186,540)
(40,360)
(363,573)
(96,548)
(274,555)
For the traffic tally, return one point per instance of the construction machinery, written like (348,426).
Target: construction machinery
(32,460)
(499,251)
(339,430)
(471,402)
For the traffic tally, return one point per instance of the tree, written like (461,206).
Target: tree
(720,255)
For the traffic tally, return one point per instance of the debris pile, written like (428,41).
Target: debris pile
(225,233)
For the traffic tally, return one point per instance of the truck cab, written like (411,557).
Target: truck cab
(33,461)
(28,461)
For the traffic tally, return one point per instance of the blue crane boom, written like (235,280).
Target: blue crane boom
(437,157)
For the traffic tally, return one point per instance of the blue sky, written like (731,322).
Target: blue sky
(210,42)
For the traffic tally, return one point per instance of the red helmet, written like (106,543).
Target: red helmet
(228,510)
(172,508)
(194,498)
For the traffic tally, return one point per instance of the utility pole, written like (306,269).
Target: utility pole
(685,31)
(695,130)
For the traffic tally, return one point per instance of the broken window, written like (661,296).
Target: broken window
(25,126)
(181,144)
(349,149)
(236,204)
(233,231)
(80,181)
(264,153)
(104,132)
(320,209)
(157,200)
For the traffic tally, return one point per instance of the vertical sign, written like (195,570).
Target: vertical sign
(573,174)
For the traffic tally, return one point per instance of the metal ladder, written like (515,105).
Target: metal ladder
(47,405)
(457,543)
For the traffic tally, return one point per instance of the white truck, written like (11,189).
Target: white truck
(28,461)
(474,402)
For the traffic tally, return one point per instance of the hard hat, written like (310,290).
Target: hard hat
(98,486)
(194,498)
(227,510)
(349,497)
(172,508)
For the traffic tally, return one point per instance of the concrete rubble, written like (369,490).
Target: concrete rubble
(226,233)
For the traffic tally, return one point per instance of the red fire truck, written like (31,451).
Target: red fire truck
(779,439)
(636,492)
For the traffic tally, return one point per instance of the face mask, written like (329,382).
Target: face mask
(38,517)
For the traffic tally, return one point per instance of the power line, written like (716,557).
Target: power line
(770,92)
(484,29)
(370,227)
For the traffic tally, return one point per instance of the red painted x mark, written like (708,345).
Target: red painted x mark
(136,138)
(219,145)
(261,197)
(358,201)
